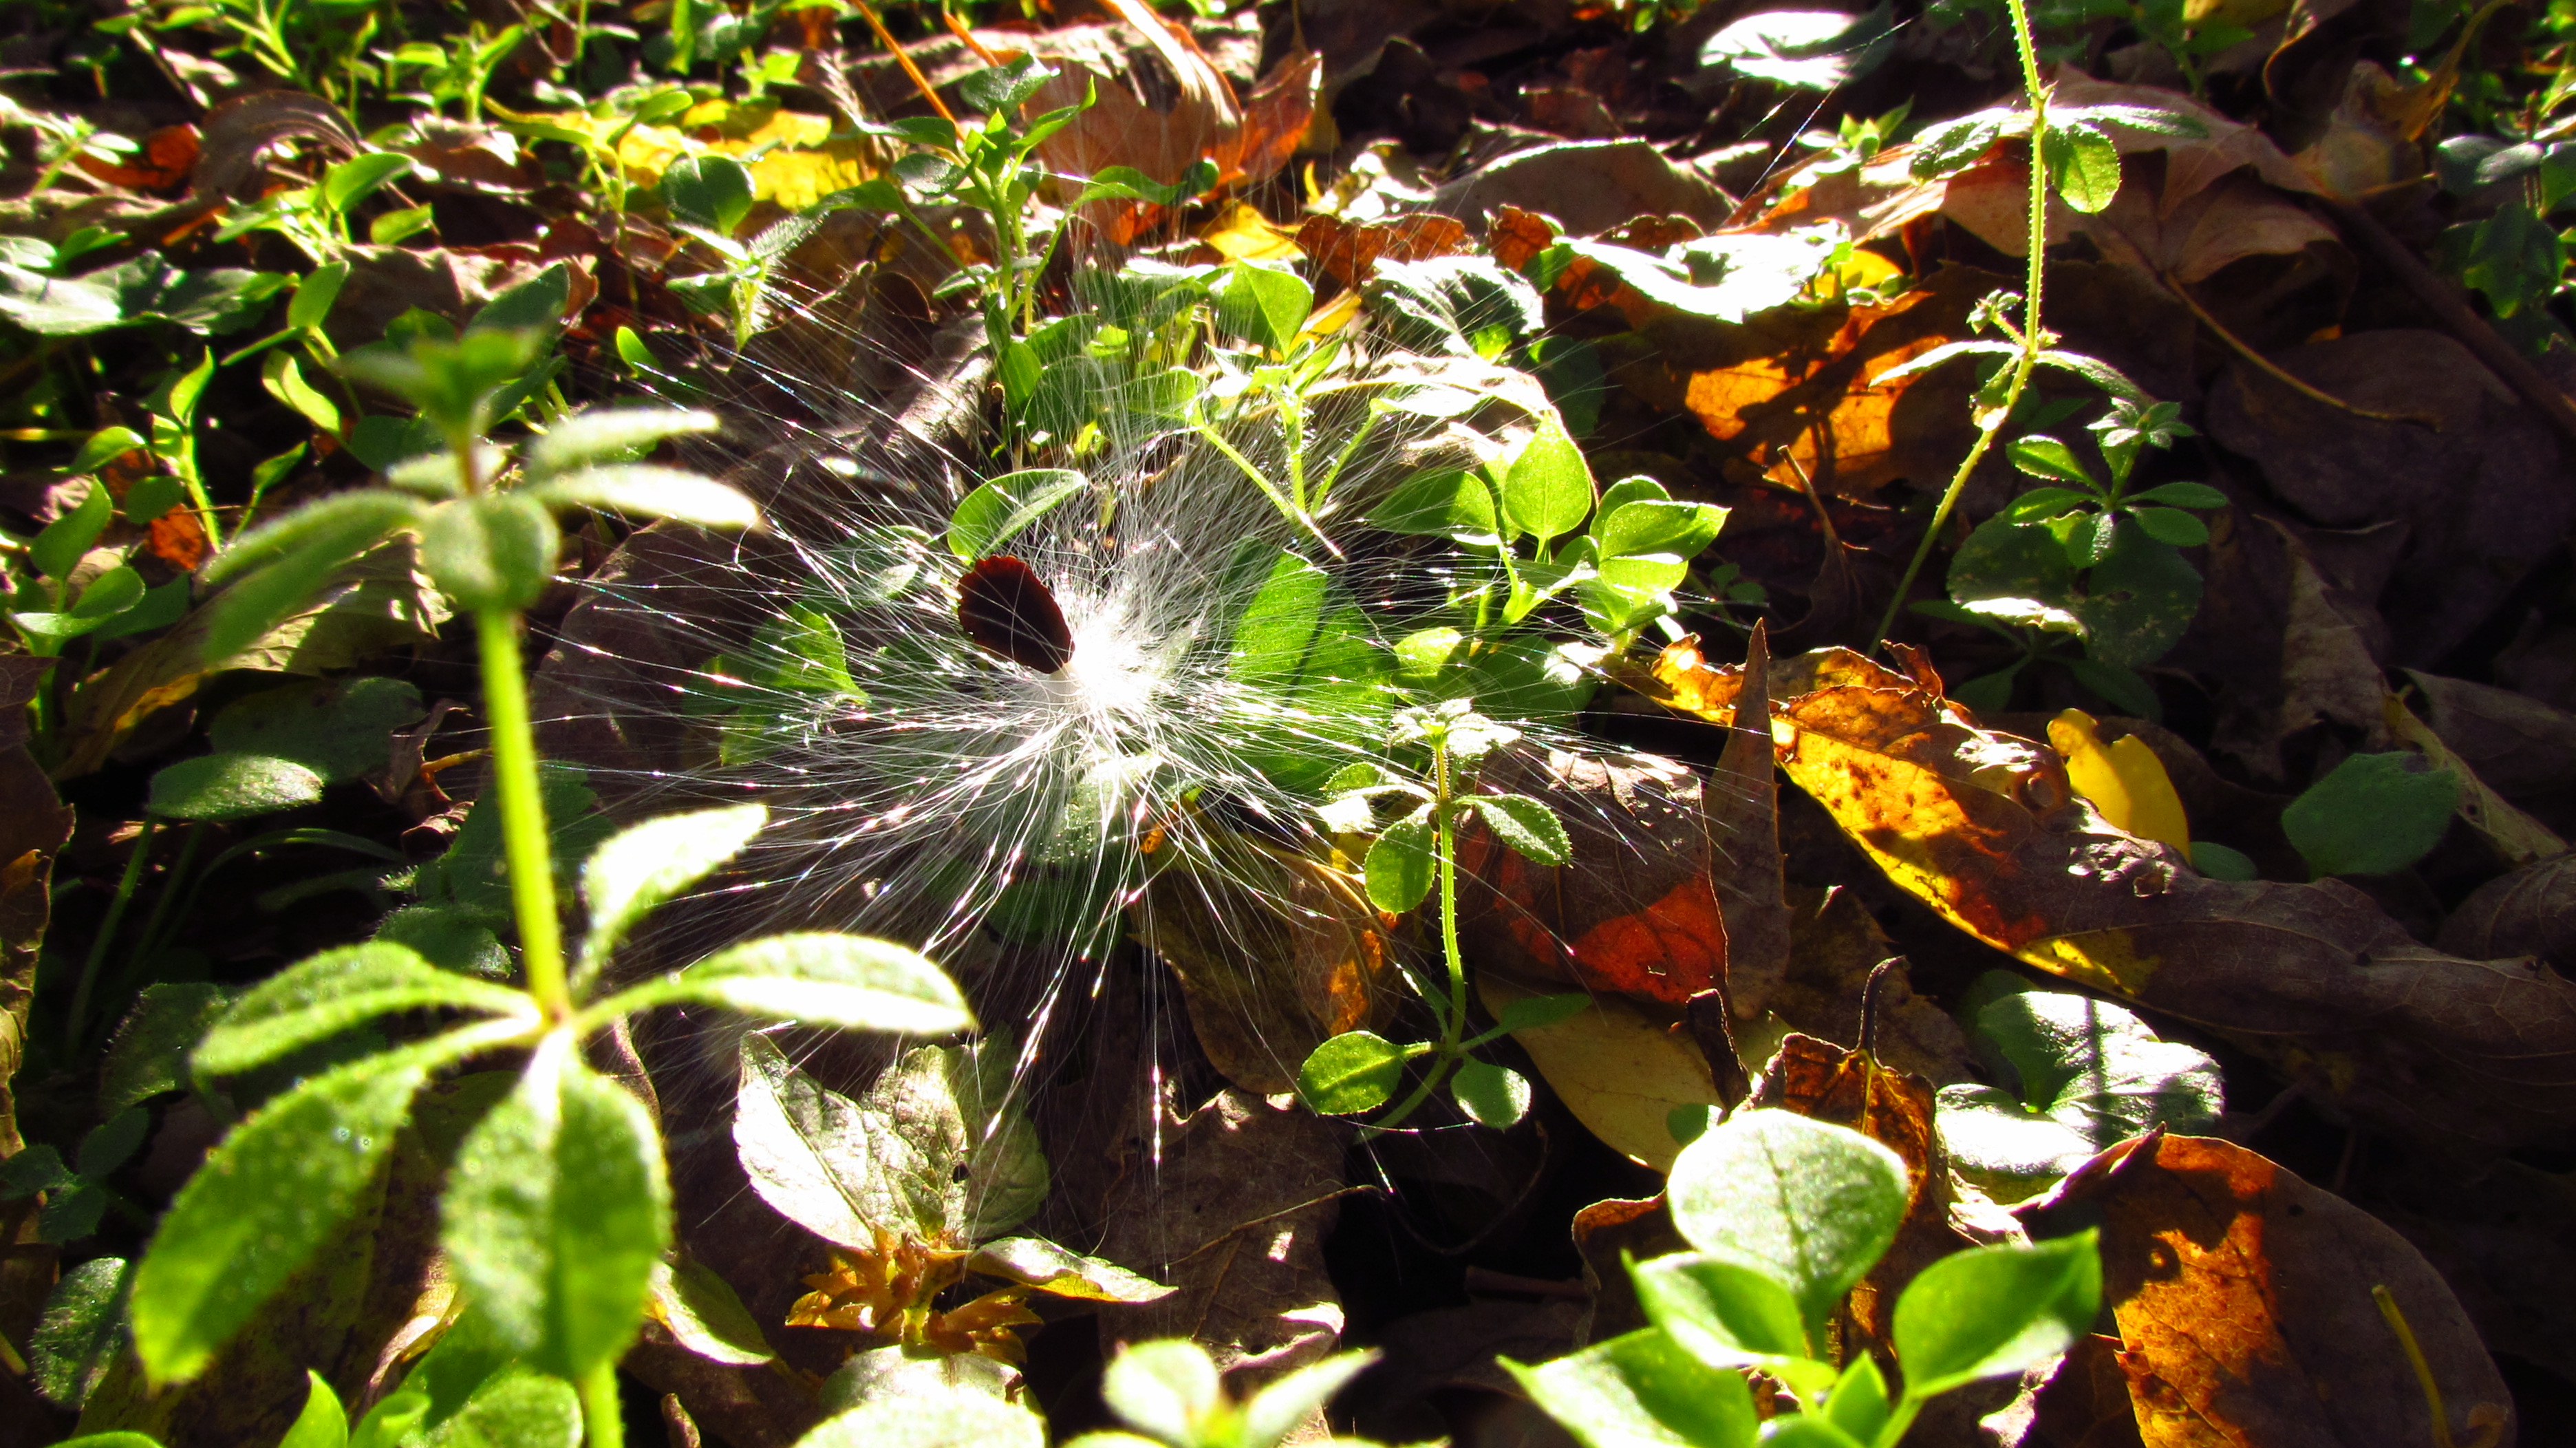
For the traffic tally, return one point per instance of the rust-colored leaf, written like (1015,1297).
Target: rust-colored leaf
(1514,236)
(1636,912)
(168,155)
(1349,253)
(178,539)
(2244,1301)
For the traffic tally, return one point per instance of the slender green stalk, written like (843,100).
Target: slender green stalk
(602,1417)
(107,929)
(148,944)
(1453,1023)
(2032,340)
(523,812)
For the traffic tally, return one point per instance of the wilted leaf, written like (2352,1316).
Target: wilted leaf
(2243,1296)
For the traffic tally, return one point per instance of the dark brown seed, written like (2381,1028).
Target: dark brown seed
(1004,607)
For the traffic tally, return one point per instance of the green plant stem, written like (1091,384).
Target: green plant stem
(2032,339)
(603,1419)
(1453,1022)
(523,812)
(107,929)
(148,944)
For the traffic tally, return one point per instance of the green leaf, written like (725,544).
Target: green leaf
(1278,627)
(149,1054)
(1858,1404)
(1531,1013)
(710,191)
(323,1423)
(1953,145)
(2083,163)
(1806,1430)
(1165,1389)
(2046,457)
(2171,525)
(1004,87)
(2219,862)
(1547,489)
(529,308)
(2182,495)
(294,555)
(101,448)
(284,380)
(1281,1408)
(556,1212)
(1491,1095)
(1642,1391)
(317,998)
(2373,814)
(111,1143)
(2139,601)
(1452,503)
(338,728)
(1263,304)
(957,1420)
(2089,1074)
(1725,1313)
(818,977)
(640,867)
(1810,1205)
(1526,826)
(643,490)
(264,1202)
(705,1315)
(996,511)
(82,1331)
(354,180)
(1054,1270)
(1648,543)
(492,553)
(609,435)
(514,1410)
(58,548)
(1353,1072)
(1401,864)
(1990,1311)
(2040,504)
(230,786)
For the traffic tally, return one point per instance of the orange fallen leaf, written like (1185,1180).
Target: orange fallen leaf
(1348,253)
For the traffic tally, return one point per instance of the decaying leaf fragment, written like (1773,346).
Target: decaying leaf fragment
(2460,1055)
(2244,1301)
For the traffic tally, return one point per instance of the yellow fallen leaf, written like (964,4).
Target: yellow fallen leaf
(2123,779)
(1241,233)
(1620,1071)
(793,157)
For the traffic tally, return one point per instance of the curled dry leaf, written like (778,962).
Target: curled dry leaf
(2244,1301)
(2459,1055)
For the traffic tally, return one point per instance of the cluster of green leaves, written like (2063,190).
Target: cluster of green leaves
(2513,256)
(1786,1215)
(2082,558)
(1358,1071)
(316,217)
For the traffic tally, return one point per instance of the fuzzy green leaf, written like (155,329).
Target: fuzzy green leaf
(640,867)
(318,998)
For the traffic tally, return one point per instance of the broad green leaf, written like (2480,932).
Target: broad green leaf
(960,1420)
(557,1211)
(2373,814)
(2138,601)
(314,294)
(1279,1409)
(1061,1273)
(807,1152)
(609,435)
(1526,826)
(320,997)
(1004,87)
(2083,163)
(1810,1205)
(1649,543)
(102,447)
(2046,457)
(2089,1073)
(1353,1072)
(1264,305)
(82,1330)
(995,513)
(149,1054)
(710,191)
(266,1199)
(1858,1404)
(643,490)
(230,786)
(1491,1095)
(1165,1389)
(1642,1391)
(323,1423)
(294,555)
(2171,525)
(529,307)
(111,1143)
(820,978)
(354,180)
(491,553)
(644,865)
(2040,504)
(1989,1311)
(1547,489)
(513,1409)
(338,728)
(1401,865)
(59,546)
(1725,1313)
(1278,627)
(704,1314)
(1952,145)
(1452,503)
(2182,495)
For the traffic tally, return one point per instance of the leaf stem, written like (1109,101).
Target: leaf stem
(107,929)
(603,1418)
(523,812)
(1453,1021)
(2032,339)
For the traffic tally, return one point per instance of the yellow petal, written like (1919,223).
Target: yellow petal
(2123,779)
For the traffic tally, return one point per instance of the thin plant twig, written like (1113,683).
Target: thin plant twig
(2279,374)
